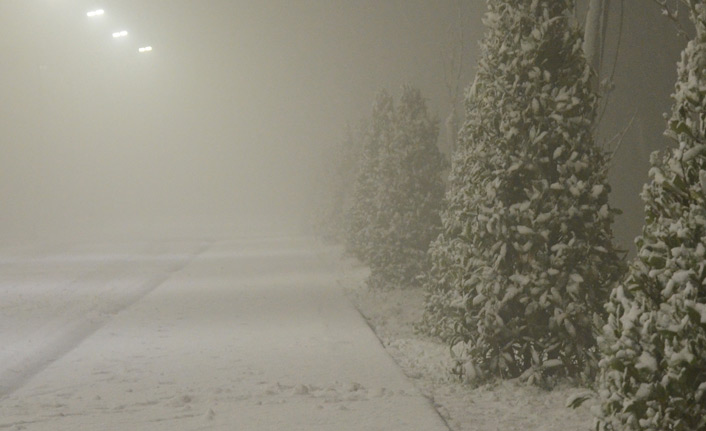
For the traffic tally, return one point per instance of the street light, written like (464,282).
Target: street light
(94,13)
(118,34)
(145,49)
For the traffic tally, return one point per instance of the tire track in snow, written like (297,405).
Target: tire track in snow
(72,333)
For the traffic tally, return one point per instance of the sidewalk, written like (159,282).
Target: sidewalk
(251,335)
(52,297)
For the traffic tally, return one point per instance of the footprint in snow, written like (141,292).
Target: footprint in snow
(301,390)
(181,401)
(355,387)
(381,392)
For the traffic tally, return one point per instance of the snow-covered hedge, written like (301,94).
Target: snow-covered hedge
(399,191)
(653,373)
(525,260)
(360,235)
(410,194)
(335,191)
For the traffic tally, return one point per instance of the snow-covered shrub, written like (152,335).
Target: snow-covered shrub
(525,260)
(398,191)
(339,170)
(409,197)
(653,370)
(363,214)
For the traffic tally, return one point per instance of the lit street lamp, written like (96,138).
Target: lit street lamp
(118,34)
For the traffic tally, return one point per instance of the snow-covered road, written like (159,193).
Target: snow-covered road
(249,334)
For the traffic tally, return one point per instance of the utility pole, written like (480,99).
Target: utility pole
(594,36)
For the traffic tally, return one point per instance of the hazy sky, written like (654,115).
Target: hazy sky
(226,119)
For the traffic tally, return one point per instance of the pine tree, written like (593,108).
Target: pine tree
(410,192)
(653,371)
(525,259)
(364,211)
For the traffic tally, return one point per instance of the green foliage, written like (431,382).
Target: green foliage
(361,235)
(398,192)
(653,371)
(525,259)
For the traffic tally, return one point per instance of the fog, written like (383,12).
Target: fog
(140,280)
(644,78)
(220,125)
(223,124)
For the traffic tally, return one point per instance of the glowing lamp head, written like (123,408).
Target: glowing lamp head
(145,49)
(118,34)
(95,13)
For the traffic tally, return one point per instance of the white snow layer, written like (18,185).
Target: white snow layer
(239,335)
(503,406)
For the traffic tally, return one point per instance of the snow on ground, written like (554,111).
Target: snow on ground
(504,406)
(246,334)
(54,296)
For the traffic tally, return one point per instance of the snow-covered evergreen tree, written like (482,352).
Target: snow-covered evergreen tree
(340,169)
(410,192)
(364,211)
(653,373)
(525,259)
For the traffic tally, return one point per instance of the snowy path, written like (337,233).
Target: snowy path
(245,335)
(51,298)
